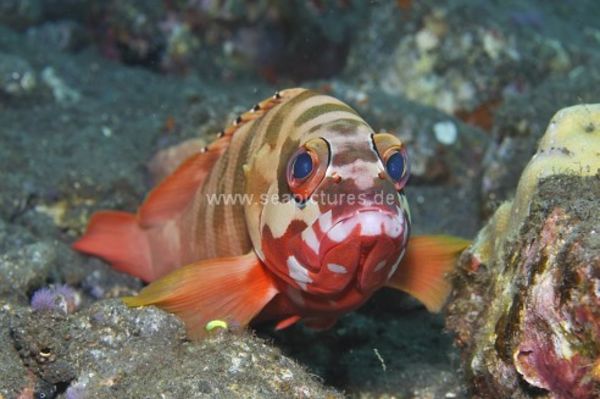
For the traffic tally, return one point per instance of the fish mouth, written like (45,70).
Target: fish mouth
(372,222)
(369,243)
(359,249)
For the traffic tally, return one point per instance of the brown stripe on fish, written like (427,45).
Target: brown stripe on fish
(256,132)
(257,180)
(274,127)
(229,220)
(288,128)
(236,178)
(213,213)
(265,143)
(321,109)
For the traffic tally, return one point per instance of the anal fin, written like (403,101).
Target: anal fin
(233,289)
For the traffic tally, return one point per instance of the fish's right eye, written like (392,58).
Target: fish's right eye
(306,168)
(302,165)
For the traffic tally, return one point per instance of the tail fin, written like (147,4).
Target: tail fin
(117,238)
(422,272)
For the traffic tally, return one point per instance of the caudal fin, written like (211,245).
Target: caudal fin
(233,289)
(423,270)
(117,238)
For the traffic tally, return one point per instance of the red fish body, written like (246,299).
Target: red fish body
(296,212)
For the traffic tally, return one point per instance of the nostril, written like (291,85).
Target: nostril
(381,175)
(336,178)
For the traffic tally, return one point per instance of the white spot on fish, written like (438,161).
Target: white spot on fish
(298,272)
(342,230)
(396,264)
(337,268)
(362,172)
(310,238)
(380,265)
(325,221)
(393,227)
(370,223)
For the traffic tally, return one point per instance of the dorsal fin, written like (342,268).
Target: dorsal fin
(172,195)
(175,191)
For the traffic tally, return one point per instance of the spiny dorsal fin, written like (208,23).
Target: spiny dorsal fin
(175,191)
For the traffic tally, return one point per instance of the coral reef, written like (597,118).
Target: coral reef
(526,308)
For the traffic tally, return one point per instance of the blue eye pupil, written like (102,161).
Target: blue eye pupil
(395,166)
(302,165)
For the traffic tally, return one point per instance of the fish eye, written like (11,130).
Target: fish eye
(393,155)
(303,165)
(395,166)
(306,168)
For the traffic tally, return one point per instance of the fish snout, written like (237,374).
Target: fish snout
(369,245)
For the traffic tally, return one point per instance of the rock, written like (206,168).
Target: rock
(64,35)
(519,124)
(19,14)
(17,77)
(109,350)
(526,307)
(25,269)
(15,377)
(464,58)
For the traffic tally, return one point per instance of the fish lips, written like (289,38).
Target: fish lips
(363,249)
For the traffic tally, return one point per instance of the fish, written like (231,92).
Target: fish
(296,212)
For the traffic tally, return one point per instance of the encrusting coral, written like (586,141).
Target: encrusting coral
(526,305)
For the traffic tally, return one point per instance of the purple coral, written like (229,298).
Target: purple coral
(60,298)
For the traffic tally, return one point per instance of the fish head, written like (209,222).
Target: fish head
(342,220)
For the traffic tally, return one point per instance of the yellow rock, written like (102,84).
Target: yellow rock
(571,145)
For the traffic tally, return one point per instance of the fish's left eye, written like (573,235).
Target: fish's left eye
(303,166)
(395,165)
(394,157)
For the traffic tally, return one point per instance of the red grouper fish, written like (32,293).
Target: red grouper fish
(296,212)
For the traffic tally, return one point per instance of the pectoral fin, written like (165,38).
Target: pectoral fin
(233,289)
(422,272)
